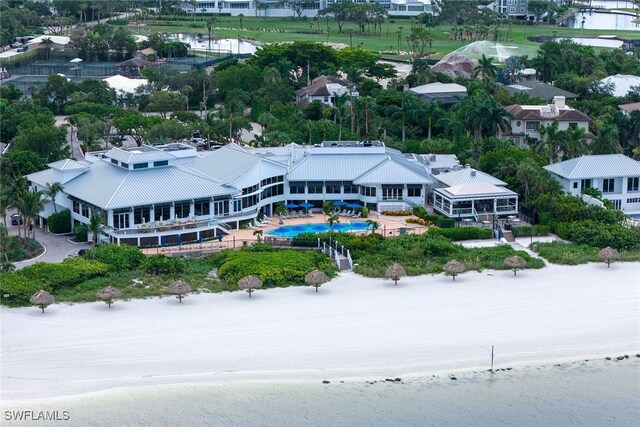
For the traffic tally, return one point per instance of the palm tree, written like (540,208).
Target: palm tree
(574,144)
(30,204)
(452,125)
(95,225)
(333,218)
(266,119)
(374,225)
(51,191)
(606,142)
(553,138)
(47,42)
(258,234)
(186,90)
(487,69)
(432,110)
(410,109)
(546,67)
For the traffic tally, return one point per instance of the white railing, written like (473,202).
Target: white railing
(475,214)
(350,260)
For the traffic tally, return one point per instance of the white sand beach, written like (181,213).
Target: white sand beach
(354,327)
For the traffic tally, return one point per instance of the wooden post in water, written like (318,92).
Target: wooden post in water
(491,358)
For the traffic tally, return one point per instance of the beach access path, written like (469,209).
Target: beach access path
(353,327)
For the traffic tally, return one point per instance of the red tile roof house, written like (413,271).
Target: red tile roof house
(527,120)
(325,89)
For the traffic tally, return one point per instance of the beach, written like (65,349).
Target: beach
(353,328)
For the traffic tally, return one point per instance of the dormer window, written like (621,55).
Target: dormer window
(124,165)
(161,163)
(140,165)
(114,161)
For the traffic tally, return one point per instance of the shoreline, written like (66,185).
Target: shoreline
(355,328)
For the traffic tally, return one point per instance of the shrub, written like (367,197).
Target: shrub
(162,264)
(462,233)
(443,222)
(19,288)
(419,221)
(600,235)
(419,211)
(431,217)
(70,272)
(123,257)
(60,223)
(531,230)
(365,212)
(397,213)
(574,254)
(80,233)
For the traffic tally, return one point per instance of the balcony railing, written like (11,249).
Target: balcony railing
(154,228)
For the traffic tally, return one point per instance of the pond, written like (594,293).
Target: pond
(601,21)
(223,46)
(611,4)
(594,41)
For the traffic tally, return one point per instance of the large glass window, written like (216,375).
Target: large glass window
(296,187)
(76,207)
(533,125)
(221,207)
(85,211)
(414,191)
(368,191)
(182,209)
(162,212)
(121,218)
(333,187)
(392,192)
(608,185)
(585,183)
(350,188)
(141,214)
(201,207)
(633,184)
(314,187)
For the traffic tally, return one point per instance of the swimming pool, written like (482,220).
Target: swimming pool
(635,216)
(294,230)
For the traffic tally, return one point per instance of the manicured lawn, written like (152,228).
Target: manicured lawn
(264,30)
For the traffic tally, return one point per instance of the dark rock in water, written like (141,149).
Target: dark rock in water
(325,381)
(620,358)
(638,355)
(398,379)
(586,360)
(626,356)
(508,369)
(341,382)
(607,358)
(453,378)
(389,379)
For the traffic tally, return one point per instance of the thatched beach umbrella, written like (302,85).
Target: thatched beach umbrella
(515,262)
(108,294)
(316,278)
(42,299)
(395,272)
(249,283)
(179,288)
(453,268)
(609,255)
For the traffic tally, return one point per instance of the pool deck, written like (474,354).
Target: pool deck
(389,225)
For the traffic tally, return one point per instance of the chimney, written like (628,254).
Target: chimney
(559,101)
(473,172)
(467,166)
(433,157)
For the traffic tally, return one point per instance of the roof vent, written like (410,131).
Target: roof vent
(473,172)
(433,158)
(467,166)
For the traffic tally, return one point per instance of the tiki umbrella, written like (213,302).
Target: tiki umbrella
(42,299)
(249,283)
(395,272)
(179,288)
(453,268)
(609,255)
(316,278)
(108,294)
(515,262)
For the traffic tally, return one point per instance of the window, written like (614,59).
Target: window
(124,165)
(634,200)
(161,163)
(114,161)
(573,125)
(333,187)
(512,9)
(632,184)
(162,212)
(182,209)
(76,206)
(368,191)
(249,190)
(349,188)
(221,207)
(392,192)
(414,191)
(575,184)
(141,214)
(535,125)
(249,201)
(296,187)
(237,205)
(201,206)
(314,187)
(140,165)
(585,183)
(608,185)
(121,218)
(85,211)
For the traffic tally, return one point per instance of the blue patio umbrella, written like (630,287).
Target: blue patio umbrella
(291,206)
(353,206)
(339,203)
(306,205)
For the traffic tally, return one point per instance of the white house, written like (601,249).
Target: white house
(325,89)
(526,120)
(447,93)
(615,175)
(166,195)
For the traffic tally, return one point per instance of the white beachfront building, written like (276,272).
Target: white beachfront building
(167,195)
(279,8)
(615,175)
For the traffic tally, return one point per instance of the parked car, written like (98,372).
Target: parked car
(15,45)
(16,219)
(22,49)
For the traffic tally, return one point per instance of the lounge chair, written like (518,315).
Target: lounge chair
(358,215)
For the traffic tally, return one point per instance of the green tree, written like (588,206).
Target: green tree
(29,204)
(574,143)
(432,111)
(553,138)
(96,222)
(487,69)
(47,42)
(339,11)
(51,191)
(606,141)
(165,101)
(411,109)
(44,139)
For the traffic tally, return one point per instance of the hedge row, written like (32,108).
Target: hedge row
(60,223)
(600,235)
(69,272)
(122,257)
(462,233)
(531,230)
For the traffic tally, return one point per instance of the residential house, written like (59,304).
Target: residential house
(622,83)
(627,109)
(447,93)
(325,89)
(615,175)
(538,89)
(527,120)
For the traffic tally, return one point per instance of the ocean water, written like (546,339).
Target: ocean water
(593,393)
